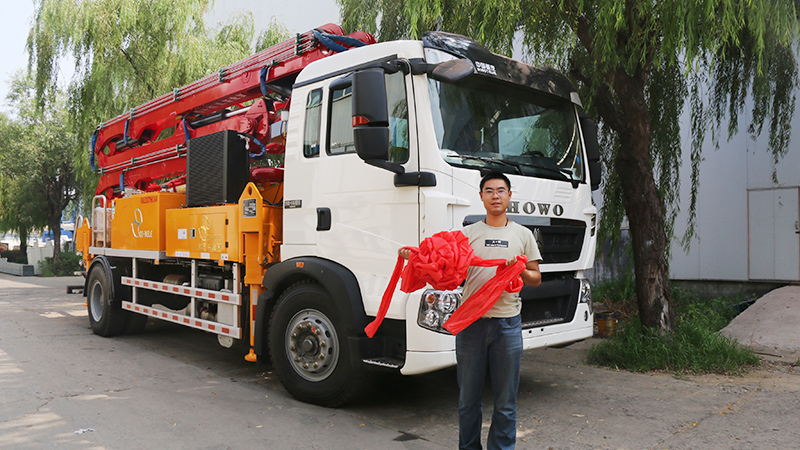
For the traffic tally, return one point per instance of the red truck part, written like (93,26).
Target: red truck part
(148,144)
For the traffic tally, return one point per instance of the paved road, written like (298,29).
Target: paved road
(175,388)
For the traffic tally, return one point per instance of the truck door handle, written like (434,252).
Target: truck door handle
(323,219)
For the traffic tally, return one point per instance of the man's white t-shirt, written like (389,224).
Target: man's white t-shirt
(498,243)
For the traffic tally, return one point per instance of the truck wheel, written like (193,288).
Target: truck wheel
(308,345)
(107,319)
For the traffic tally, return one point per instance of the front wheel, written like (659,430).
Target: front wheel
(309,348)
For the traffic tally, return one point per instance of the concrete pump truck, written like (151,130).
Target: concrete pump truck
(382,145)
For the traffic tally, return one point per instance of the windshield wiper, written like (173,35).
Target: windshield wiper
(487,159)
(566,173)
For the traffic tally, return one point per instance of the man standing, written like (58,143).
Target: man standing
(493,342)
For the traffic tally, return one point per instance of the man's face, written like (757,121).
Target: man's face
(495,196)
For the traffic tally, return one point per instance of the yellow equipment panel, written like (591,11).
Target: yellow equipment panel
(138,222)
(208,232)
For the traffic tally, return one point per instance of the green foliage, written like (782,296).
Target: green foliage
(19,211)
(695,346)
(37,170)
(616,295)
(68,264)
(274,34)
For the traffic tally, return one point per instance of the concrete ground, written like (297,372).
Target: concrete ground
(61,387)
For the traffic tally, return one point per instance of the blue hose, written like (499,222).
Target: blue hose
(186,134)
(263,149)
(332,41)
(92,143)
(263,80)
(125,133)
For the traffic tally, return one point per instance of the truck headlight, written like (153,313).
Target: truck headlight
(585,295)
(435,307)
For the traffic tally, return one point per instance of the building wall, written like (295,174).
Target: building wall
(741,164)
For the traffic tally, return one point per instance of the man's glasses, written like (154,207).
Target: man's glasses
(490,192)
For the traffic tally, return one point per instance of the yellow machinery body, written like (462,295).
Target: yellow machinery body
(208,232)
(139,222)
(248,232)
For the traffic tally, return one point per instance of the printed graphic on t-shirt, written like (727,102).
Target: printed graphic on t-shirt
(495,243)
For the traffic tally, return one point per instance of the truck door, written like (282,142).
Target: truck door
(354,214)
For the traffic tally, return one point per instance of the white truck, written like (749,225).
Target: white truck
(385,145)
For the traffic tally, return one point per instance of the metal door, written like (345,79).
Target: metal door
(773,230)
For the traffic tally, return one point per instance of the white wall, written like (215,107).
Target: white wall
(720,252)
(36,254)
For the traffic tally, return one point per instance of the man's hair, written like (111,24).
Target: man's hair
(495,176)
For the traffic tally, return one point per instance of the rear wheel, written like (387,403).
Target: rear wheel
(309,348)
(106,318)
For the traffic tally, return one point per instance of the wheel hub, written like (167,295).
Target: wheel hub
(309,345)
(96,299)
(312,345)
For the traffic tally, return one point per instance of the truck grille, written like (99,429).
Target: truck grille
(554,301)
(561,242)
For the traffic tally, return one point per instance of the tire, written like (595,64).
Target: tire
(106,318)
(305,329)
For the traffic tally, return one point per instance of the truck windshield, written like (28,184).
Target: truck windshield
(502,130)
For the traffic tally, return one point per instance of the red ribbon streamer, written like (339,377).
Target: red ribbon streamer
(442,261)
(507,279)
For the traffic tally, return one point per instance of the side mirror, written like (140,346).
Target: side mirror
(371,119)
(369,98)
(452,71)
(589,129)
(370,115)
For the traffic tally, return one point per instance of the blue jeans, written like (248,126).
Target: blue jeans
(496,345)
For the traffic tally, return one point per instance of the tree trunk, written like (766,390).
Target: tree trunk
(55,227)
(644,207)
(23,242)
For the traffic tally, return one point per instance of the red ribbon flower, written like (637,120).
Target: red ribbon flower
(442,261)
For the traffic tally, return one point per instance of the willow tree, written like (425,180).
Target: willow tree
(127,52)
(37,171)
(19,212)
(638,64)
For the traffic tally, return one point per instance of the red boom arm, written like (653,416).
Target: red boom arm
(128,149)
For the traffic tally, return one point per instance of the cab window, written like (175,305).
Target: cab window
(312,130)
(341,120)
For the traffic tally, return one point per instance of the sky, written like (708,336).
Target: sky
(14,26)
(16,21)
